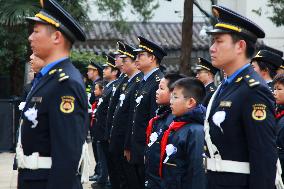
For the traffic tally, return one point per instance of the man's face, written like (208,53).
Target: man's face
(92,73)
(118,62)
(143,61)
(128,65)
(223,50)
(203,76)
(256,67)
(41,41)
(36,63)
(107,73)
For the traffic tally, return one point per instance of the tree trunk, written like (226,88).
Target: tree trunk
(186,43)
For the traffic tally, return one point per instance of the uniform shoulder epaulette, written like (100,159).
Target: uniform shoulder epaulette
(158,78)
(252,82)
(212,89)
(62,75)
(138,79)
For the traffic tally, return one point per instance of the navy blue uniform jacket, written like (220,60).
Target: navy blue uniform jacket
(143,112)
(61,101)
(248,132)
(184,169)
(152,153)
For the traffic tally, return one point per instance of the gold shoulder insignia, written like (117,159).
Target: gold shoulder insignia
(63,77)
(252,82)
(52,71)
(239,79)
(60,69)
(158,78)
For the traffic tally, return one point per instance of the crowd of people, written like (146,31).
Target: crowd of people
(152,129)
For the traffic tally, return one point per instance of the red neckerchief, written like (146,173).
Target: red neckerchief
(94,106)
(279,115)
(173,126)
(150,127)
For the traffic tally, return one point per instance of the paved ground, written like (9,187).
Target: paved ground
(8,177)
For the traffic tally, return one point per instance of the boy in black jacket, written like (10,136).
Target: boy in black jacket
(155,130)
(181,164)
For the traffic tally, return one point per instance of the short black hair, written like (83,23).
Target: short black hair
(278,79)
(191,87)
(264,67)
(250,50)
(100,84)
(173,77)
(115,69)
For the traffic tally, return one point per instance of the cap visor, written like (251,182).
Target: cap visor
(217,30)
(123,56)
(35,19)
(139,50)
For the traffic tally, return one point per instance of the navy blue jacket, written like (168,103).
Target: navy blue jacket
(62,116)
(122,116)
(152,153)
(210,89)
(184,169)
(143,112)
(101,113)
(248,132)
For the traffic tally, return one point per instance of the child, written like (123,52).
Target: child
(278,83)
(98,93)
(155,130)
(181,164)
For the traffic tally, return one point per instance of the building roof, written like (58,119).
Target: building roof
(102,36)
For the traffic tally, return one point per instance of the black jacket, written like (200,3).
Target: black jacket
(101,113)
(122,115)
(247,134)
(210,89)
(184,169)
(153,151)
(62,116)
(143,112)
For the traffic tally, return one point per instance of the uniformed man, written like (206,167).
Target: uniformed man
(54,120)
(95,74)
(266,64)
(239,126)
(206,73)
(110,74)
(148,59)
(123,173)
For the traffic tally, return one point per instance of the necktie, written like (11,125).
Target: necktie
(174,126)
(223,86)
(37,79)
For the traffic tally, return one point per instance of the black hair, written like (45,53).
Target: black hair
(173,77)
(264,67)
(191,87)
(278,79)
(115,69)
(250,50)
(100,84)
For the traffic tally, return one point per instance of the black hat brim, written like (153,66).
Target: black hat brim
(218,30)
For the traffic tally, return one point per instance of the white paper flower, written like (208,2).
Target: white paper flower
(22,105)
(113,90)
(100,101)
(170,150)
(218,118)
(121,98)
(31,114)
(138,99)
(153,138)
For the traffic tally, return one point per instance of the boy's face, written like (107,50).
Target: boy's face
(98,91)
(179,103)
(163,93)
(279,93)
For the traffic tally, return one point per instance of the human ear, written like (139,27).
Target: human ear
(190,103)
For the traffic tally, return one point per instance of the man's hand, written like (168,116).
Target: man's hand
(127,155)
